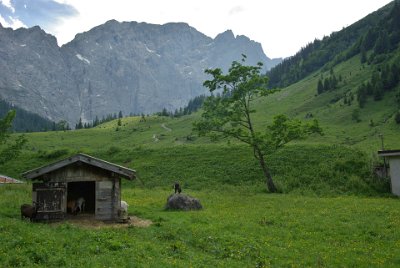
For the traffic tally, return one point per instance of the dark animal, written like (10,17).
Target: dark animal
(177,188)
(29,211)
(71,207)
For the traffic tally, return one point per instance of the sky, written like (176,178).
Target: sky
(283,27)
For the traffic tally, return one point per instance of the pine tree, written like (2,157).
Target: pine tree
(79,125)
(320,87)
(382,43)
(363,55)
(362,95)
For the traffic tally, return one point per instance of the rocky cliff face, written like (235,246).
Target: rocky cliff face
(130,67)
(34,74)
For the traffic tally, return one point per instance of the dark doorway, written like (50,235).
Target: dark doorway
(85,189)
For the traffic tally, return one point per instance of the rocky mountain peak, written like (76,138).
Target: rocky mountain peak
(225,36)
(117,66)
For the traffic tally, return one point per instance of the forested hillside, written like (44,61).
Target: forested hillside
(26,121)
(376,37)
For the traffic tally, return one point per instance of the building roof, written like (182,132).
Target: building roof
(5,179)
(389,153)
(124,172)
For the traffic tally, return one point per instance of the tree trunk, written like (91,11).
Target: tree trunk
(269,182)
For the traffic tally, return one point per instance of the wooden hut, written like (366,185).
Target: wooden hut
(394,171)
(96,180)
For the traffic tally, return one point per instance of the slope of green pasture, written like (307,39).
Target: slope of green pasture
(304,168)
(334,116)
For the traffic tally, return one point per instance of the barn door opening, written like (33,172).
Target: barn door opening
(85,189)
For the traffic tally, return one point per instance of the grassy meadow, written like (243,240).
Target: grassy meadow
(238,227)
(330,210)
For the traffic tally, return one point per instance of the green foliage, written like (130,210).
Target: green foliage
(283,130)
(192,106)
(329,83)
(62,125)
(9,149)
(355,115)
(25,121)
(384,79)
(230,114)
(97,121)
(382,43)
(80,124)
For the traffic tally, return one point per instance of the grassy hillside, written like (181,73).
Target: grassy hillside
(335,116)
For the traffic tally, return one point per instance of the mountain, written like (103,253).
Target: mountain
(130,67)
(349,81)
(379,31)
(34,74)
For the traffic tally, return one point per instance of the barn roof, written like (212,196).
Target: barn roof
(5,179)
(83,158)
(389,153)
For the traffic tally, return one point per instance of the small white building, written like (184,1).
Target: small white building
(4,179)
(394,162)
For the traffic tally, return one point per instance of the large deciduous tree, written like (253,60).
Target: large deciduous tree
(228,113)
(9,149)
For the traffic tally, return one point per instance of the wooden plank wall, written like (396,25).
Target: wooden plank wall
(107,199)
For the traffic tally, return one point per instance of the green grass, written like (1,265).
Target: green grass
(303,168)
(237,228)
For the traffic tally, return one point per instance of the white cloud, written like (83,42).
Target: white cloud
(11,22)
(236,9)
(7,3)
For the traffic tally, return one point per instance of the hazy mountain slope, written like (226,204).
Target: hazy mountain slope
(130,67)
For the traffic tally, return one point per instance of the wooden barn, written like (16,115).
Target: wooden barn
(96,180)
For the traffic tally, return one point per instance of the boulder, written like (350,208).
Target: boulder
(182,202)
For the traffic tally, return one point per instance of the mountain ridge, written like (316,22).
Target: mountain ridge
(117,66)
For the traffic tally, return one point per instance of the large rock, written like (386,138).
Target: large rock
(183,202)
